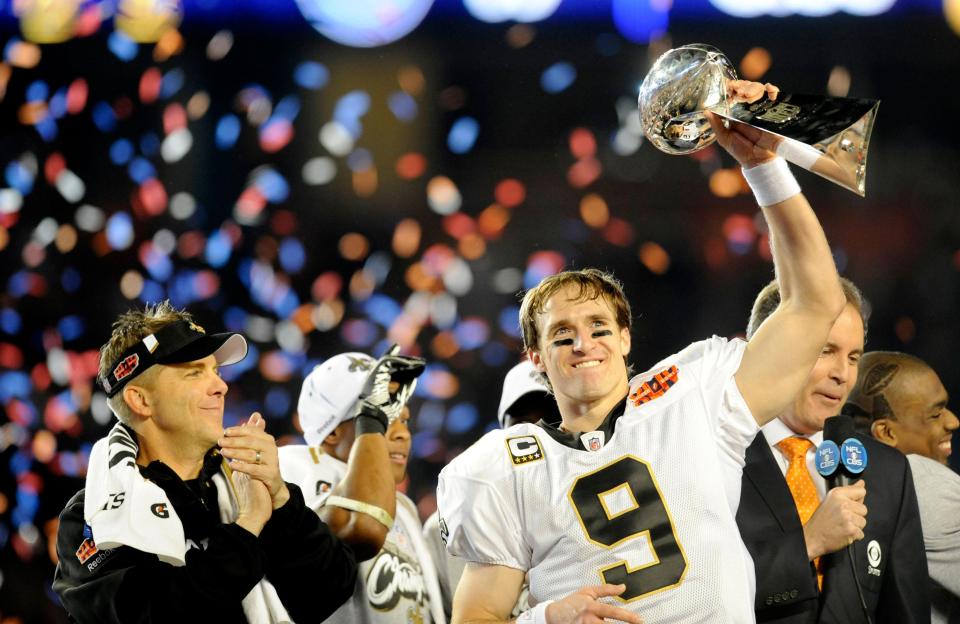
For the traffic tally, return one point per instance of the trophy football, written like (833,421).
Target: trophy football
(826,135)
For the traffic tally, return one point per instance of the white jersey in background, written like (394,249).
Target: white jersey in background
(397,586)
(653,507)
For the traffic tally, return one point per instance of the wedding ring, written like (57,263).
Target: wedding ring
(257,459)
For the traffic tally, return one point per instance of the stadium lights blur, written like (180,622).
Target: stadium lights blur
(516,10)
(47,21)
(364,23)
(808,8)
(146,21)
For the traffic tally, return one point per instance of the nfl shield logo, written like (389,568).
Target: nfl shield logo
(594,444)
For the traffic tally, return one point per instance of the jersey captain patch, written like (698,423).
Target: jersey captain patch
(524,449)
(655,387)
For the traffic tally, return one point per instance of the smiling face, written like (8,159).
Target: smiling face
(922,423)
(398,444)
(185,403)
(832,378)
(581,349)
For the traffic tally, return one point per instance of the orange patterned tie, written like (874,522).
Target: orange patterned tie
(801,486)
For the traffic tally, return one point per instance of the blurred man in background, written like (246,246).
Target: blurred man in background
(902,402)
(355,420)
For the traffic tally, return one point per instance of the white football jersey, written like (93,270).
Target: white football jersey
(653,507)
(397,586)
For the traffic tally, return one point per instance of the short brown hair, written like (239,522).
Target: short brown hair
(590,284)
(769,300)
(129,328)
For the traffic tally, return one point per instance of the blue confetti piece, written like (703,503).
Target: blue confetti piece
(37,91)
(150,144)
(71,280)
(71,327)
(277,403)
(119,230)
(402,105)
(121,151)
(152,292)
(292,255)
(311,75)
(273,186)
(382,310)
(171,82)
(494,354)
(463,135)
(58,103)
(158,264)
(462,418)
(19,177)
(227,132)
(10,321)
(235,319)
(425,444)
(509,320)
(558,77)
(218,249)
(122,46)
(14,384)
(104,117)
(288,108)
(19,283)
(47,129)
(141,170)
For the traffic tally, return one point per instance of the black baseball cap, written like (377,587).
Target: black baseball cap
(181,341)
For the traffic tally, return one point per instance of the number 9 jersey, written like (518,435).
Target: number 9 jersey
(653,508)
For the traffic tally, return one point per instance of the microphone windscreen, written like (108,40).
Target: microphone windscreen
(839,428)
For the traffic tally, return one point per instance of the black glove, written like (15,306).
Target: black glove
(376,407)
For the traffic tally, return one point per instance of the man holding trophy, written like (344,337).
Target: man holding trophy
(625,508)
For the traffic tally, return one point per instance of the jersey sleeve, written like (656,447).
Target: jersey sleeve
(479,516)
(715,361)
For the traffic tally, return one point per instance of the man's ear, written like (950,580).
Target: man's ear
(882,431)
(138,400)
(625,340)
(537,361)
(333,438)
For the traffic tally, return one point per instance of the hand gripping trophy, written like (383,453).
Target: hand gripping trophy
(826,135)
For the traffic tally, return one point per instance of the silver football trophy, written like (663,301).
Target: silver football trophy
(826,135)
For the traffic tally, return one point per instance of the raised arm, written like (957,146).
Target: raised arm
(783,350)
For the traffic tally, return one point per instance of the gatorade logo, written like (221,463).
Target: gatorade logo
(160,510)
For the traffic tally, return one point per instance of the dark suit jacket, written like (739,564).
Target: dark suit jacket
(894,588)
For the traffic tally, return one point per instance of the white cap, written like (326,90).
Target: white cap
(522,379)
(330,392)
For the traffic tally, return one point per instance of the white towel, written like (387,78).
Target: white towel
(123,508)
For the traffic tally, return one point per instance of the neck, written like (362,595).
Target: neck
(184,459)
(582,416)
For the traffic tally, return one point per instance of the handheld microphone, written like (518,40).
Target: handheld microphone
(841,458)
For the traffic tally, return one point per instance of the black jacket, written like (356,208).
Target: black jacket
(312,571)
(894,578)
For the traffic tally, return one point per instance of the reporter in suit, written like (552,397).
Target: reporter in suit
(797,531)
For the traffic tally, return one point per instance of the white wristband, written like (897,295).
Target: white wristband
(771,182)
(798,153)
(536,615)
